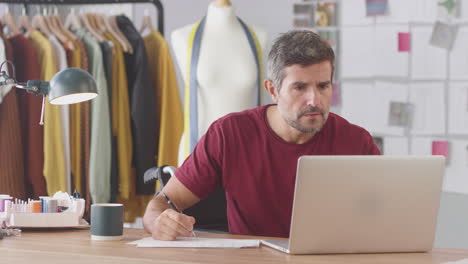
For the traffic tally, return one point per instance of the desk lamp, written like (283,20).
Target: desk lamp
(69,86)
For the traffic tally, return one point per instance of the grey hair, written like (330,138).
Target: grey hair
(301,47)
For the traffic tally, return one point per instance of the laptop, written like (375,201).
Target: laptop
(364,204)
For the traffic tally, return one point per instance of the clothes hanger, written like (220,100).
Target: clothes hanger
(49,19)
(114,34)
(23,22)
(97,26)
(60,25)
(97,21)
(87,25)
(38,23)
(146,23)
(7,19)
(92,22)
(72,20)
(113,23)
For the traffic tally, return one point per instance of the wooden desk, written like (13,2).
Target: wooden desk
(76,246)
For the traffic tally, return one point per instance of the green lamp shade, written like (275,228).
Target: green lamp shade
(71,86)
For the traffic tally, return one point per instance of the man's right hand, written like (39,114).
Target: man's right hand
(171,224)
(165,223)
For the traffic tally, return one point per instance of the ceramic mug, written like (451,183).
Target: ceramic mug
(107,221)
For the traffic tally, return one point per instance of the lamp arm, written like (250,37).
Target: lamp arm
(32,86)
(35,87)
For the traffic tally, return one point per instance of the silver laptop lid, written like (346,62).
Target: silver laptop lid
(351,204)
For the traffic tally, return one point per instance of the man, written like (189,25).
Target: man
(253,154)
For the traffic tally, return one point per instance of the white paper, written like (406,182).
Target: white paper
(357,52)
(396,146)
(197,242)
(398,11)
(358,104)
(463,10)
(456,179)
(368,105)
(459,56)
(428,62)
(460,261)
(458,108)
(429,108)
(423,10)
(353,13)
(389,61)
(421,145)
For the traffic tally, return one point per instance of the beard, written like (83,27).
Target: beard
(295,122)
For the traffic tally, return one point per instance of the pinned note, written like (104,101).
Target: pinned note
(443,35)
(404,41)
(303,15)
(440,148)
(376,7)
(448,8)
(379,142)
(400,114)
(336,94)
(325,14)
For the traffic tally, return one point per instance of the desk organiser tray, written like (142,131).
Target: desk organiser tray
(46,220)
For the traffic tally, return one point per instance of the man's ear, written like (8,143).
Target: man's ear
(272,91)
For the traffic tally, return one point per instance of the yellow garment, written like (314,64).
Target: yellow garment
(134,204)
(121,127)
(75,128)
(54,154)
(168,104)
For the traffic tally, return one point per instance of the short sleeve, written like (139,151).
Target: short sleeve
(201,172)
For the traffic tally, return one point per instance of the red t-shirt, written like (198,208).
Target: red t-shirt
(257,169)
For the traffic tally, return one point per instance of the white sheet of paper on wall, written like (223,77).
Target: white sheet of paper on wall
(390,62)
(357,102)
(357,52)
(428,99)
(443,35)
(463,17)
(396,146)
(421,146)
(353,13)
(458,108)
(459,56)
(423,10)
(427,62)
(456,172)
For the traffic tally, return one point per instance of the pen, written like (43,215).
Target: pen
(173,206)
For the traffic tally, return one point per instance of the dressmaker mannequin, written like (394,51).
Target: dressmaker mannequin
(227,71)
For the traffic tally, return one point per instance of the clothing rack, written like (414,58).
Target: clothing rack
(156,3)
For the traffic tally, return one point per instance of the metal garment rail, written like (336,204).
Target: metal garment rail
(156,3)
